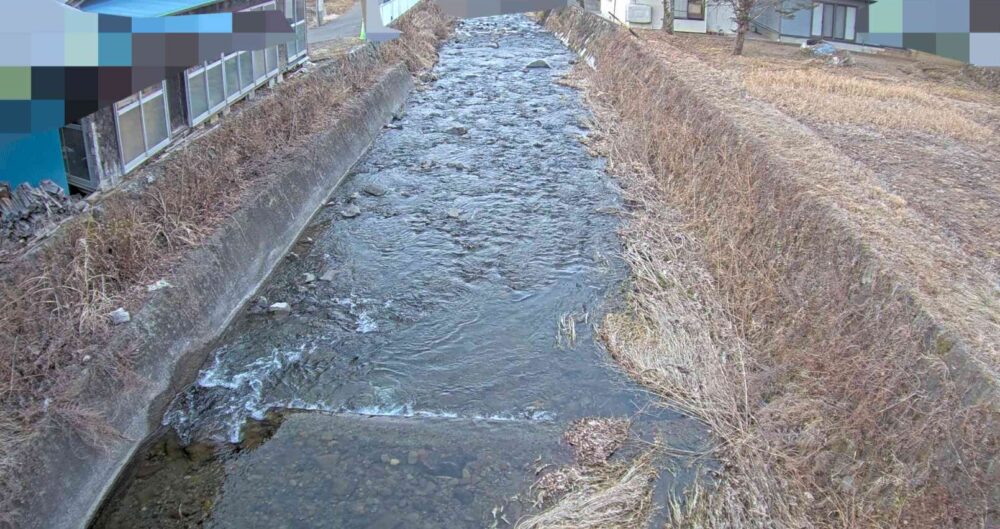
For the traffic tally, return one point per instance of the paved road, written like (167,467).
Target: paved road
(346,25)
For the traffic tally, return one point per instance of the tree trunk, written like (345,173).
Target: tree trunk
(668,16)
(741,36)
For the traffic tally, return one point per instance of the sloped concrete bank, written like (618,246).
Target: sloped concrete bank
(170,332)
(884,400)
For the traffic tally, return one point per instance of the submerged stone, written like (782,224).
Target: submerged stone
(375,190)
(350,211)
(280,309)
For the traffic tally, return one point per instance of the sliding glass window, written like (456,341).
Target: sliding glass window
(142,125)
(834,21)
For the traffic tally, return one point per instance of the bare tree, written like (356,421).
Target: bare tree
(668,16)
(745,12)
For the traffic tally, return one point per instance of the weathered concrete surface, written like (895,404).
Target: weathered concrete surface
(418,473)
(209,287)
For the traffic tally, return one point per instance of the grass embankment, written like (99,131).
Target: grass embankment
(54,303)
(839,338)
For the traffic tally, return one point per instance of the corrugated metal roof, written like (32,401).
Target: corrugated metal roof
(143,8)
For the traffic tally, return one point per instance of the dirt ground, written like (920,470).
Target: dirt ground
(928,130)
(334,8)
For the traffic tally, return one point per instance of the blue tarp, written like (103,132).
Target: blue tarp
(33,159)
(143,8)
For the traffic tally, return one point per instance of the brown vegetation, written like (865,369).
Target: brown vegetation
(338,7)
(54,304)
(856,386)
(594,491)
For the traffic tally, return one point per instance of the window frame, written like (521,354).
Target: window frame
(139,99)
(220,63)
(301,48)
(202,69)
(268,73)
(686,13)
(834,8)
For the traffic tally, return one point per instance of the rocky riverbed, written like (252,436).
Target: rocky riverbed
(430,335)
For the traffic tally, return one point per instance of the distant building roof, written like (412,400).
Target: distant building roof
(143,8)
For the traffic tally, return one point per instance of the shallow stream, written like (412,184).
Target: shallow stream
(440,335)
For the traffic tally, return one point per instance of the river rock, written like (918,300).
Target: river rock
(539,63)
(328,274)
(375,190)
(494,45)
(159,285)
(280,309)
(454,213)
(119,316)
(308,278)
(350,211)
(457,130)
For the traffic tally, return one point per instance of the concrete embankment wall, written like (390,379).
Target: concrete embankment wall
(172,330)
(880,401)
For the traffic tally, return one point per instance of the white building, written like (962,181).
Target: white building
(694,16)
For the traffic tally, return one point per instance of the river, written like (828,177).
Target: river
(441,327)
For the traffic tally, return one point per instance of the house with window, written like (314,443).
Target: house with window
(98,150)
(800,20)
(693,16)
(784,20)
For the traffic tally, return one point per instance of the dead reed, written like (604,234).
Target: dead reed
(594,491)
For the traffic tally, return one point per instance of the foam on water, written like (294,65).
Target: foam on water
(246,384)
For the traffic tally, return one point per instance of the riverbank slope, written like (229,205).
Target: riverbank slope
(866,394)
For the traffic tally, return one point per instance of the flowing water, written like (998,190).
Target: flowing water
(439,341)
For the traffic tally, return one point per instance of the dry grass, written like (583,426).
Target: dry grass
(677,339)
(338,7)
(834,97)
(595,439)
(594,491)
(848,393)
(54,305)
(924,130)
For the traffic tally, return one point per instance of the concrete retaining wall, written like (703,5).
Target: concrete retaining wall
(172,331)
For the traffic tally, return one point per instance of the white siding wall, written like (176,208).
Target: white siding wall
(393,9)
(719,18)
